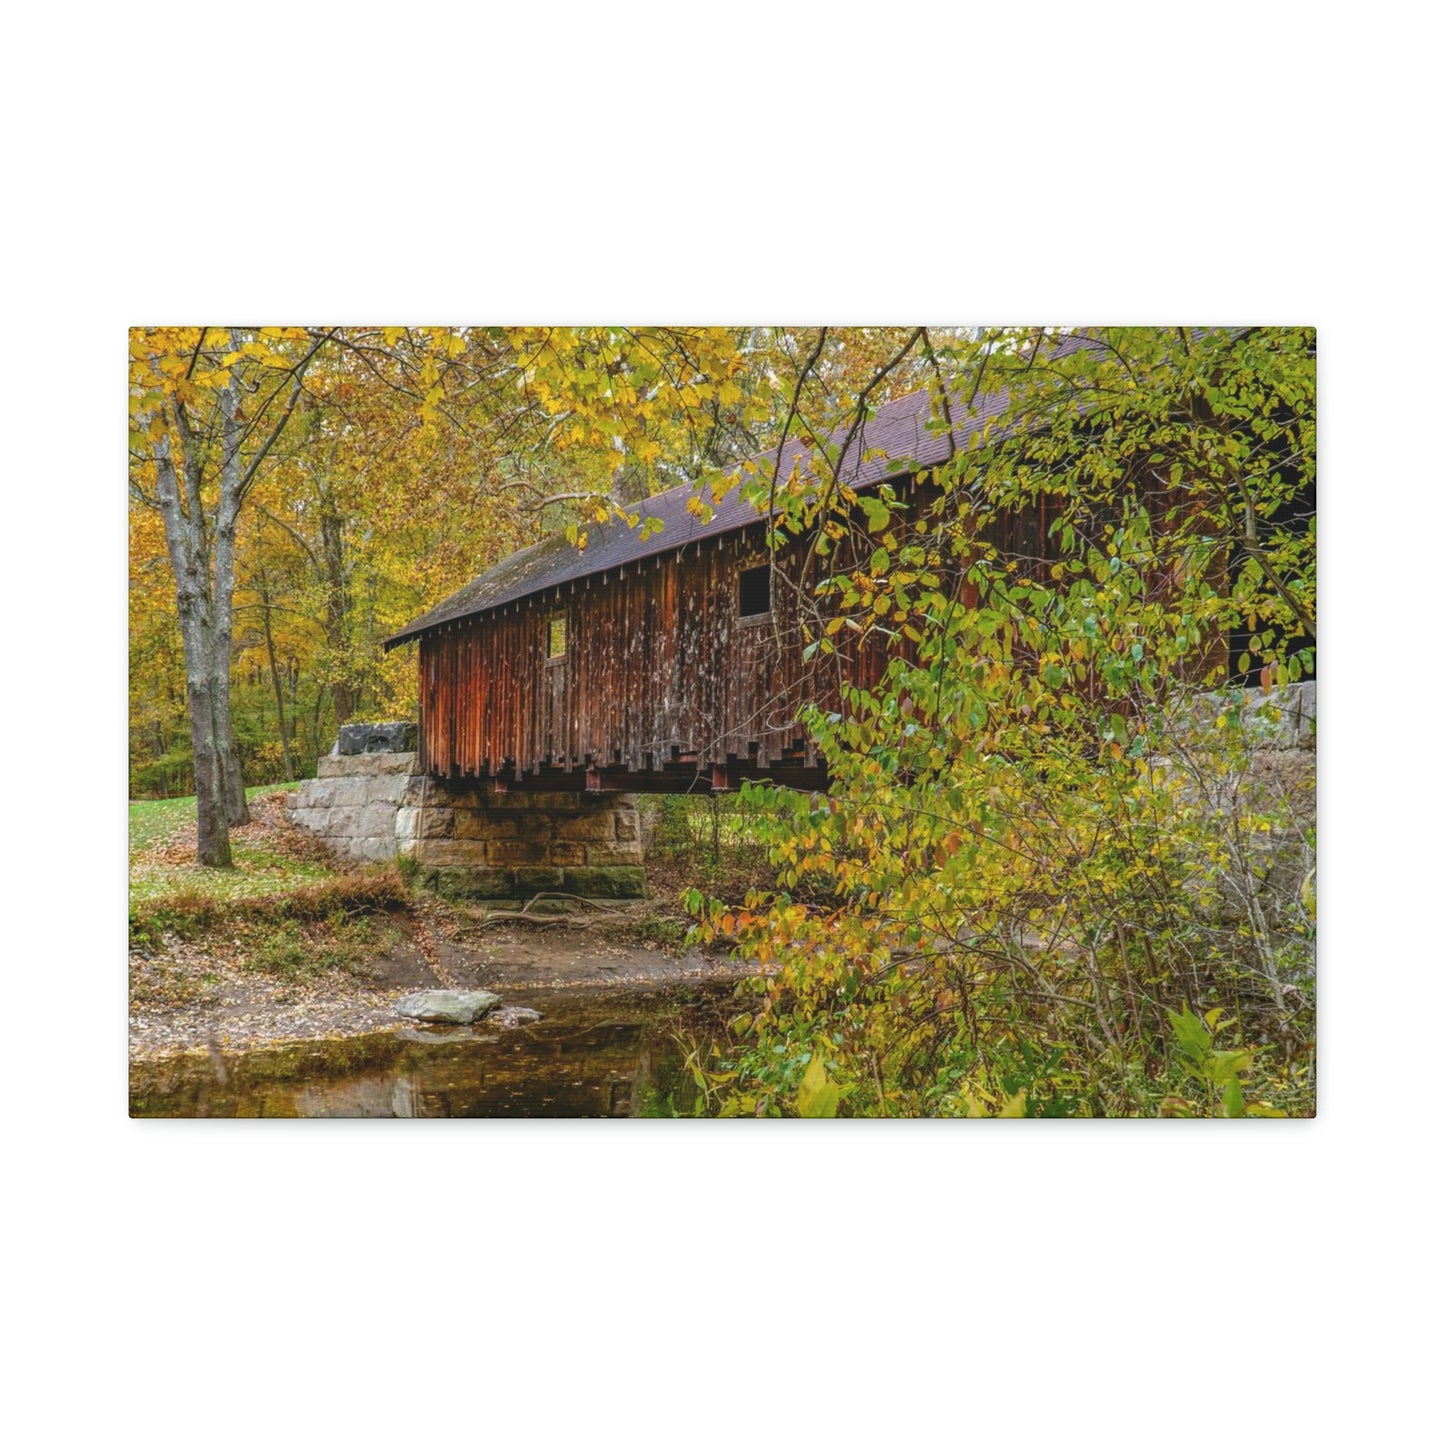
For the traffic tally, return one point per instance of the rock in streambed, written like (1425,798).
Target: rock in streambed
(513,1016)
(448,1005)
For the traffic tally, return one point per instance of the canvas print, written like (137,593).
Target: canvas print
(722,722)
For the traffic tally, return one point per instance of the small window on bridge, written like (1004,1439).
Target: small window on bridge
(754,597)
(556,638)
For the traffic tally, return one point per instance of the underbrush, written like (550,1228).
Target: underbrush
(901,1050)
(186,947)
(193,913)
(711,841)
(660,931)
(1046,932)
(285,902)
(292,949)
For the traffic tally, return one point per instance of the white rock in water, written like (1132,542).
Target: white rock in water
(447,1005)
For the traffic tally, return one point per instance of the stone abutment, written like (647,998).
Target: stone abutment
(464,836)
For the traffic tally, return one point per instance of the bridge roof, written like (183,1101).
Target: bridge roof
(897,432)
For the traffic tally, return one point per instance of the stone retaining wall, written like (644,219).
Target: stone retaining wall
(1264,769)
(1281,726)
(1281,720)
(1277,731)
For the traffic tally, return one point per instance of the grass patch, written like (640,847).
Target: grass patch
(258,874)
(665,933)
(269,856)
(159,820)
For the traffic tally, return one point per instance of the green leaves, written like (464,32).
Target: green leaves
(876,511)
(818,1095)
(1191,1035)
(1218,1070)
(1018,857)
(1015,1107)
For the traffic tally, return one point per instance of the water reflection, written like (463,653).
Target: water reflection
(595,1053)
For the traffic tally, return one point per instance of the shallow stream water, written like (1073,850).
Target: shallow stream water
(597,1052)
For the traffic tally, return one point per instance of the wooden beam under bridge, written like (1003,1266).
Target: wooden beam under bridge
(669,778)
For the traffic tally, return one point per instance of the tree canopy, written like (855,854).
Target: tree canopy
(332,483)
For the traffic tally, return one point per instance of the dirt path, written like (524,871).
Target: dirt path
(210,996)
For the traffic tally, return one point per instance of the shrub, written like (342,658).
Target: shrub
(1031,865)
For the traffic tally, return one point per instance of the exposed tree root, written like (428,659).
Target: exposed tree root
(524,914)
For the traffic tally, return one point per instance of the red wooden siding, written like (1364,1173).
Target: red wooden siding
(663,685)
(660,672)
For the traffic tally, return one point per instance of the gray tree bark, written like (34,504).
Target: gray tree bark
(233,491)
(186,545)
(264,587)
(202,553)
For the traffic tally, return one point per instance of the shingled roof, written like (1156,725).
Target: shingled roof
(898,432)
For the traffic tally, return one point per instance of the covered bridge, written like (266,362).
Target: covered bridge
(655,660)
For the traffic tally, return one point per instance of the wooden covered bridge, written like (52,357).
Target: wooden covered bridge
(656,660)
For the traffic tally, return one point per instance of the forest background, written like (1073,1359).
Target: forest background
(377,469)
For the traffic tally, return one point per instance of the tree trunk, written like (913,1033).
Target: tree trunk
(338,605)
(203,560)
(238,811)
(185,542)
(227,514)
(275,671)
(213,835)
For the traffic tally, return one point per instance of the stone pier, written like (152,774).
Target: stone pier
(369,804)
(468,838)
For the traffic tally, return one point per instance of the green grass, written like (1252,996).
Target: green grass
(257,874)
(161,818)
(158,821)
(260,869)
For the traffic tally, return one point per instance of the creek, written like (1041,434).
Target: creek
(611,1052)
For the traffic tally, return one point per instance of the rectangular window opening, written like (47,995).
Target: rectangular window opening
(556,638)
(754,596)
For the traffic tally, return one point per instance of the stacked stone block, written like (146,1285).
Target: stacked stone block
(1284,719)
(1266,767)
(353,801)
(468,838)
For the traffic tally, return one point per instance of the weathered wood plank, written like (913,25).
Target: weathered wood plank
(658,664)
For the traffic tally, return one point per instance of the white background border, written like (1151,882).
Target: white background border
(271,163)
